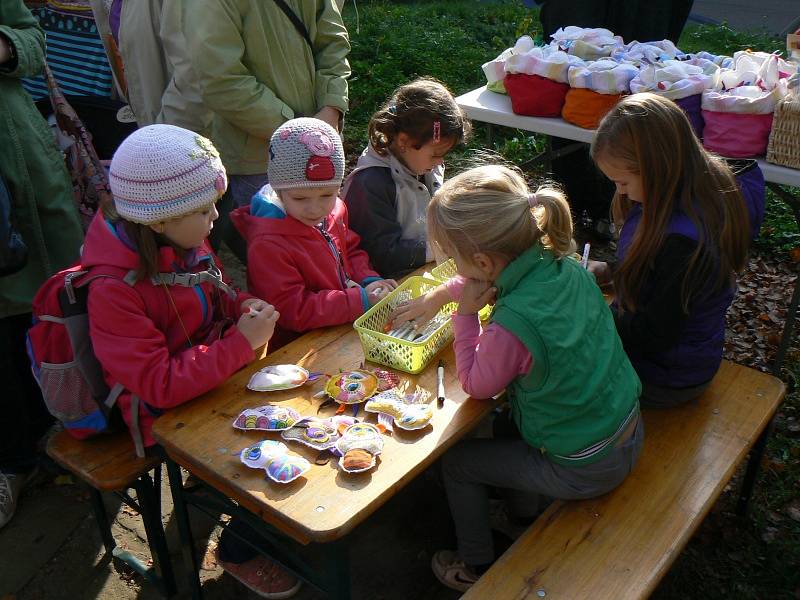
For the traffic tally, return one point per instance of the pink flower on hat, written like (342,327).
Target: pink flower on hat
(317,142)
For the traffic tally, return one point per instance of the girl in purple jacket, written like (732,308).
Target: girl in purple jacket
(684,233)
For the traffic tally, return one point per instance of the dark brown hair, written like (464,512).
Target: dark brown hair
(412,110)
(651,137)
(146,243)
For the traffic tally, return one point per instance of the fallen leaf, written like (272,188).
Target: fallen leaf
(793,510)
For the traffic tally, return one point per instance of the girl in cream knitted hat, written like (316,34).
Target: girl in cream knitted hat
(163,321)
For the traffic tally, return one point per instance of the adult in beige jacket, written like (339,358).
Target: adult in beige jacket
(256,71)
(151,66)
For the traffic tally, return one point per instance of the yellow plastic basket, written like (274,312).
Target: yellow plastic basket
(411,357)
(446,271)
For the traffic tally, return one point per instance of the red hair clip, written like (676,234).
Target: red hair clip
(437,132)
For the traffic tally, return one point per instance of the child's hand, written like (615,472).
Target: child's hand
(421,309)
(258,325)
(475,296)
(378,290)
(253,304)
(600,271)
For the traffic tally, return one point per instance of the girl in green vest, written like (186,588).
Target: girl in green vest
(573,428)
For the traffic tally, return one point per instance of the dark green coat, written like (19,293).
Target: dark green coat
(32,167)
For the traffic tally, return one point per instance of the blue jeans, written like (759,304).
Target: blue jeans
(241,189)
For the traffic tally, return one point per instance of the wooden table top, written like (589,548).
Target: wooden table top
(325,503)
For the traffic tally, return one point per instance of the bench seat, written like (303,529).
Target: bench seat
(107,463)
(621,544)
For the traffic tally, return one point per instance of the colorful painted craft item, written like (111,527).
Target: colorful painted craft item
(278,377)
(275,459)
(386,379)
(320,434)
(267,418)
(359,445)
(406,415)
(352,387)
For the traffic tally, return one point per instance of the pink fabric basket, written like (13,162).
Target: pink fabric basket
(736,135)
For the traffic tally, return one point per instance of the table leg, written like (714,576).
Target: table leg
(184,529)
(757,453)
(338,567)
(489,135)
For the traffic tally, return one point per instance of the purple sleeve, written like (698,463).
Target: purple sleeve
(487,361)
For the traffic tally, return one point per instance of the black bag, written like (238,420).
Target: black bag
(13,251)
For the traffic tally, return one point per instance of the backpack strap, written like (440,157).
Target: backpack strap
(136,431)
(211,275)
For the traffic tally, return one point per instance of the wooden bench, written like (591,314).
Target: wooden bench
(620,545)
(109,463)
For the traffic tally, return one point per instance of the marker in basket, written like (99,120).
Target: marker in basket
(440,384)
(585,258)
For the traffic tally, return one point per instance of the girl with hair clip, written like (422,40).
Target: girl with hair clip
(573,428)
(402,167)
(684,233)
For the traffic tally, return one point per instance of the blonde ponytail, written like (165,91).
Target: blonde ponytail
(488,209)
(554,220)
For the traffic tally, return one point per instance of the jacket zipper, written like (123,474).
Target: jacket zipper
(336,255)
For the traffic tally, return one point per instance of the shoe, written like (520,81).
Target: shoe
(11,485)
(451,571)
(264,577)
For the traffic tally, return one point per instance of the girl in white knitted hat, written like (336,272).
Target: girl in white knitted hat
(163,322)
(301,254)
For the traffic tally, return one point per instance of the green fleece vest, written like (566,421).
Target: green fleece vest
(582,386)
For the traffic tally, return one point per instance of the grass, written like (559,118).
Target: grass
(449,40)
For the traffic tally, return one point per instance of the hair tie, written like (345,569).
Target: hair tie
(533,200)
(392,109)
(437,131)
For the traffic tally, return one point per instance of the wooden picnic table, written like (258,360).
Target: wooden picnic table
(325,504)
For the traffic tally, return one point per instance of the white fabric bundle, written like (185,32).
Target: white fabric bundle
(605,76)
(647,52)
(587,43)
(754,85)
(676,79)
(545,61)
(494,70)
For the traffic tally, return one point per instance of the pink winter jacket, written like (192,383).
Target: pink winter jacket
(140,340)
(293,267)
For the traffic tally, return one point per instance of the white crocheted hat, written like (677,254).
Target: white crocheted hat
(161,172)
(305,153)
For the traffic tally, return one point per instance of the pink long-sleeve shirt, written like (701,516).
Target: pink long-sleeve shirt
(488,360)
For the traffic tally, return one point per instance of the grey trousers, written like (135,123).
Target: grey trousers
(473,466)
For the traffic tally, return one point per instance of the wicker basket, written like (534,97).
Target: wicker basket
(411,357)
(784,140)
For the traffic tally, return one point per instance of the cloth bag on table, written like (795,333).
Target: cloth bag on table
(682,81)
(738,111)
(595,88)
(536,80)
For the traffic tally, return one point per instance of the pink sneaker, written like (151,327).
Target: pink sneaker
(264,577)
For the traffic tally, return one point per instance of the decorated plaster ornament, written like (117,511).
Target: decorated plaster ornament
(278,377)
(259,454)
(274,458)
(386,379)
(352,387)
(320,434)
(406,415)
(358,439)
(267,418)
